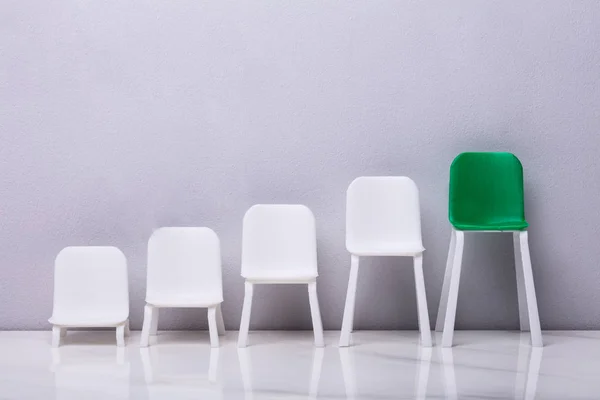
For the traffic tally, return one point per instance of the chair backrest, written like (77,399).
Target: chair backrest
(486,188)
(184,261)
(381,210)
(91,280)
(279,237)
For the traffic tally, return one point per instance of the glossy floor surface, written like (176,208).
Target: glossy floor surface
(285,365)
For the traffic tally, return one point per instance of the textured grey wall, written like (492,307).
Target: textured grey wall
(118,117)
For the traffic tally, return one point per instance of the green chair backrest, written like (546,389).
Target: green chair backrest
(486,192)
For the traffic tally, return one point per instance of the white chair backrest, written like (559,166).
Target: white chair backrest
(184,261)
(89,281)
(279,237)
(382,210)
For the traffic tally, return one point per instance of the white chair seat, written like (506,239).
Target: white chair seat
(183,301)
(86,321)
(300,275)
(388,249)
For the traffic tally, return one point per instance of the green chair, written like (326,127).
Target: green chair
(486,195)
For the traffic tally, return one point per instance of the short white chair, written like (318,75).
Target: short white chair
(383,219)
(90,291)
(279,246)
(184,271)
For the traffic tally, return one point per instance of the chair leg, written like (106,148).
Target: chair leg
(246,311)
(121,335)
(212,327)
(522,297)
(348,320)
(422,310)
(154,326)
(315,313)
(448,334)
(56,335)
(441,316)
(534,318)
(149,314)
(127,329)
(220,322)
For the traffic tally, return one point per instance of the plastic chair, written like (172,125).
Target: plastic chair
(90,291)
(383,219)
(486,195)
(184,271)
(279,246)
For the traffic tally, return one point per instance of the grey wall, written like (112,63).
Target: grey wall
(118,117)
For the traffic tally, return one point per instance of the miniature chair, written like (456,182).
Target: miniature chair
(90,291)
(184,271)
(486,195)
(383,219)
(279,246)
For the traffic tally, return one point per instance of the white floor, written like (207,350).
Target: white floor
(285,365)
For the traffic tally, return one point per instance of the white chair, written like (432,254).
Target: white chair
(383,219)
(90,291)
(184,271)
(279,246)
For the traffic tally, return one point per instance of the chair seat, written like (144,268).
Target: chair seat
(85,321)
(387,249)
(184,301)
(496,226)
(279,276)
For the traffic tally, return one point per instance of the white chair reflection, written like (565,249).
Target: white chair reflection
(175,370)
(528,369)
(98,369)
(348,363)
(273,363)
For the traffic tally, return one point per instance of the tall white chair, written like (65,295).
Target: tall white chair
(184,271)
(90,291)
(279,246)
(383,219)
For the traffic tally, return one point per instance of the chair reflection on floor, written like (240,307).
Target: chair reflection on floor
(165,364)
(246,370)
(349,372)
(96,370)
(528,369)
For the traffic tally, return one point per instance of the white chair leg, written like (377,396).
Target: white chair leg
(348,320)
(534,318)
(220,322)
(522,298)
(246,311)
(154,325)
(121,335)
(448,334)
(127,330)
(315,313)
(149,313)
(212,327)
(56,335)
(315,375)
(441,316)
(422,310)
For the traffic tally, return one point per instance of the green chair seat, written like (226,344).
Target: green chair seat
(486,192)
